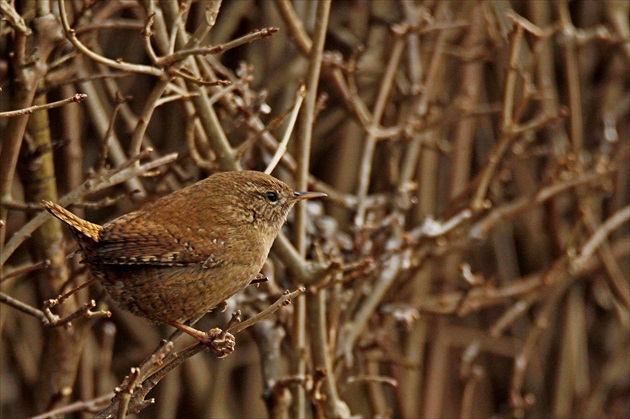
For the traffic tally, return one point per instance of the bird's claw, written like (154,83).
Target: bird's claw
(224,306)
(260,278)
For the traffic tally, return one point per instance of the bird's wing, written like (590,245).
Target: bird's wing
(150,243)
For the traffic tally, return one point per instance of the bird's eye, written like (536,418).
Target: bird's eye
(272,196)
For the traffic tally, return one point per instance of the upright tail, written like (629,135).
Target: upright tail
(83,230)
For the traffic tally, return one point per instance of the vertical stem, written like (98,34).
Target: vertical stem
(303,146)
(226,155)
(464,132)
(370,143)
(12,136)
(334,407)
(62,347)
(571,66)
(145,116)
(73,154)
(495,157)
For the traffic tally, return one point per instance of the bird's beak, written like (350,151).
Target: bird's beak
(299,196)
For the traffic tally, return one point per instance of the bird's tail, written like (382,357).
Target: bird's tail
(80,228)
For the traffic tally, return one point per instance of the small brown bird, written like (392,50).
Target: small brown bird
(180,256)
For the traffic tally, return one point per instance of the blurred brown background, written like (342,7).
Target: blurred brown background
(472,258)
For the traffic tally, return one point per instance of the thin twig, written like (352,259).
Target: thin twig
(118,65)
(25,308)
(282,147)
(77,98)
(218,49)
(283,301)
(612,223)
(21,270)
(80,406)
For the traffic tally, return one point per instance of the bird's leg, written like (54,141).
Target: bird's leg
(197,334)
(221,343)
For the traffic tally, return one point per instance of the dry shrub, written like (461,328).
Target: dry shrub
(472,257)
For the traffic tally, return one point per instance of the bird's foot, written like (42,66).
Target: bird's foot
(220,342)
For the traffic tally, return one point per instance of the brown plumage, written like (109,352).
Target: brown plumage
(180,256)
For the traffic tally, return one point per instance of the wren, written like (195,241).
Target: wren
(180,256)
